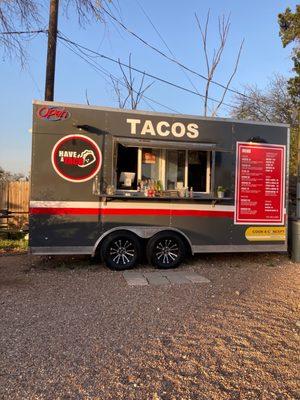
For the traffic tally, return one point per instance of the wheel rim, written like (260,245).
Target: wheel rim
(167,251)
(122,251)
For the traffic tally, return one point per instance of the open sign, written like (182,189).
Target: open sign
(53,113)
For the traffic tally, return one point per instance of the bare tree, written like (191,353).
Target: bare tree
(272,105)
(214,61)
(87,9)
(127,89)
(121,98)
(6,176)
(87,97)
(275,104)
(20,20)
(17,15)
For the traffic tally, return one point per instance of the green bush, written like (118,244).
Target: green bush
(7,245)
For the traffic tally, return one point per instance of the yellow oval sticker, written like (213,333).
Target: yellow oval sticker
(265,233)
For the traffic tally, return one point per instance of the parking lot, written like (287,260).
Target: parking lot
(72,329)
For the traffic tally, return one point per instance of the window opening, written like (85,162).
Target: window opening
(197,170)
(127,163)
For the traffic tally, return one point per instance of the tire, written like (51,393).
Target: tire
(166,250)
(121,250)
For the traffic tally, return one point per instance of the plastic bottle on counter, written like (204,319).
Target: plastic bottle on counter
(191,192)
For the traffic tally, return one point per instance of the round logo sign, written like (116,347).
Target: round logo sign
(76,158)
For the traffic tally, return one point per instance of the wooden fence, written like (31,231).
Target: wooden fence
(14,199)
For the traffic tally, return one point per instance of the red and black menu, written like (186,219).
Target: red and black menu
(259,184)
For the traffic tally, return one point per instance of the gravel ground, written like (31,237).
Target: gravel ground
(70,329)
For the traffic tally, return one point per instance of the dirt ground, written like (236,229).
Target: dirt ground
(71,329)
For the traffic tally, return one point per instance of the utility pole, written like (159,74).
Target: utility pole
(51,52)
(295,221)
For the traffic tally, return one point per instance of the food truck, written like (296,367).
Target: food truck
(126,184)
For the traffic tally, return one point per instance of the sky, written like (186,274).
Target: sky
(255,22)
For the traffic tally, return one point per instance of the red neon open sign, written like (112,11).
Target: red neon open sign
(53,113)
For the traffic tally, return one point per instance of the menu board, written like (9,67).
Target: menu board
(259,184)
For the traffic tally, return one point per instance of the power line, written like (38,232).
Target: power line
(135,69)
(167,57)
(98,68)
(118,61)
(140,72)
(127,66)
(23,32)
(80,47)
(166,44)
(102,70)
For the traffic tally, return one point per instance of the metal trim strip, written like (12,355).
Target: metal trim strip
(130,205)
(60,250)
(239,248)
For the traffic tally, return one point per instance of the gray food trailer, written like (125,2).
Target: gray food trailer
(126,183)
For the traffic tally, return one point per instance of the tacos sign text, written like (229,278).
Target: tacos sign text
(163,128)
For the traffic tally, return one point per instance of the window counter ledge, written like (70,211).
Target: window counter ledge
(206,198)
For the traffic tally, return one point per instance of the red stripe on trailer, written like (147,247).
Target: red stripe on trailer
(202,213)
(129,211)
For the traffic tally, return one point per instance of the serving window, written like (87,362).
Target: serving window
(150,166)
(198,170)
(127,161)
(174,168)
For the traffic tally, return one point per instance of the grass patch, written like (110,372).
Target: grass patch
(9,245)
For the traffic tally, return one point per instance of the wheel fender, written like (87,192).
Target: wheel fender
(144,232)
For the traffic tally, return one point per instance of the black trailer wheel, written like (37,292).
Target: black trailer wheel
(166,250)
(121,250)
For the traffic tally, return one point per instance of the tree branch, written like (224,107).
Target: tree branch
(230,79)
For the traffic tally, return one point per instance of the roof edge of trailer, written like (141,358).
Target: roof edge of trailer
(128,111)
